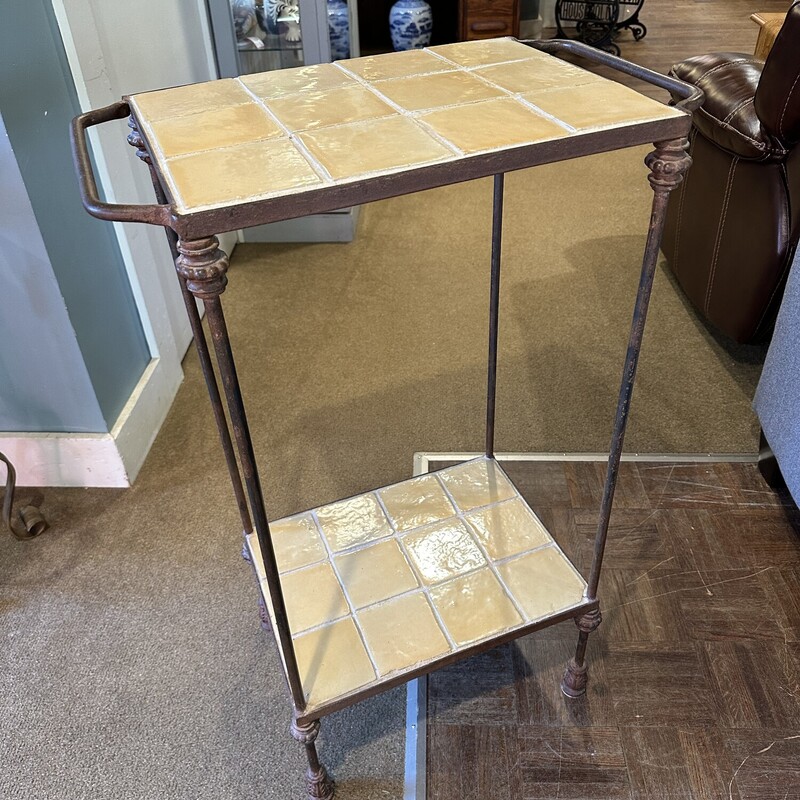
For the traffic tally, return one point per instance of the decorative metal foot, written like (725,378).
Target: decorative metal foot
(319,784)
(573,684)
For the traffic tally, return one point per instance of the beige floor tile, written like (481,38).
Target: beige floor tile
(542,582)
(434,91)
(331,107)
(491,125)
(313,596)
(488,51)
(209,130)
(332,662)
(508,529)
(597,105)
(477,483)
(536,73)
(348,151)
(375,573)
(238,174)
(396,65)
(354,521)
(191,99)
(402,633)
(474,607)
(443,550)
(282,82)
(297,542)
(416,502)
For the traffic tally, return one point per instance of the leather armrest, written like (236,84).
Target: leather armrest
(727,116)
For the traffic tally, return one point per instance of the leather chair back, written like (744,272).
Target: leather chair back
(777,100)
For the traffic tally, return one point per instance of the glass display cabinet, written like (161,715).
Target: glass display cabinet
(374,590)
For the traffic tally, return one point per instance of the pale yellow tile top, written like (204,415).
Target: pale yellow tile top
(209,130)
(375,573)
(402,633)
(417,502)
(599,104)
(235,174)
(477,483)
(443,550)
(191,99)
(536,73)
(508,529)
(474,607)
(332,662)
(555,587)
(487,51)
(331,107)
(297,543)
(434,91)
(313,597)
(396,65)
(354,521)
(282,82)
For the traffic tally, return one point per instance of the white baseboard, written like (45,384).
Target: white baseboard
(98,460)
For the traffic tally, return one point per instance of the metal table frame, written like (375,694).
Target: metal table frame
(201,267)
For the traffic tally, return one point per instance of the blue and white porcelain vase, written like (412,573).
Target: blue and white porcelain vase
(410,23)
(339,29)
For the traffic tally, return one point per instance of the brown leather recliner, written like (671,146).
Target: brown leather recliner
(733,224)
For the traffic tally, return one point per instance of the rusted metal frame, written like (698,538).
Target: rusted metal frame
(241,430)
(691,96)
(577,613)
(494,309)
(667,165)
(33,523)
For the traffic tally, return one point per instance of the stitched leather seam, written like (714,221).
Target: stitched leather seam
(765,150)
(718,243)
(738,108)
(727,64)
(683,191)
(786,104)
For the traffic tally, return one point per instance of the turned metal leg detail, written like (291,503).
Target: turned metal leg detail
(575,677)
(667,163)
(319,784)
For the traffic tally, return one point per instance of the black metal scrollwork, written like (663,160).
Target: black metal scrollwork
(598,22)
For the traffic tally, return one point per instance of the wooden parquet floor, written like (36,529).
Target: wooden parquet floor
(694,674)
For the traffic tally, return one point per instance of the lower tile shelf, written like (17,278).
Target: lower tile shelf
(392,583)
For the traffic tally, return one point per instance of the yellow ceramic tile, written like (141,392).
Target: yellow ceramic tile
(237,174)
(598,105)
(297,543)
(402,633)
(206,131)
(492,125)
(348,151)
(488,51)
(332,662)
(313,596)
(375,573)
(508,529)
(396,65)
(282,82)
(354,521)
(474,607)
(434,91)
(191,99)
(443,550)
(331,107)
(477,483)
(536,73)
(416,502)
(542,582)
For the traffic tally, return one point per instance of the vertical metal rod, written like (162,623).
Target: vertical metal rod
(494,310)
(207,366)
(233,393)
(649,261)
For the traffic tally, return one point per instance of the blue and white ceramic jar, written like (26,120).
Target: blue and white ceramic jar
(339,29)
(410,23)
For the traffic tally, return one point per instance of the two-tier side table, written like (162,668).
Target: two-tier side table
(374,590)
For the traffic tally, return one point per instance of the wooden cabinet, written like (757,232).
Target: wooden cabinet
(485,19)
